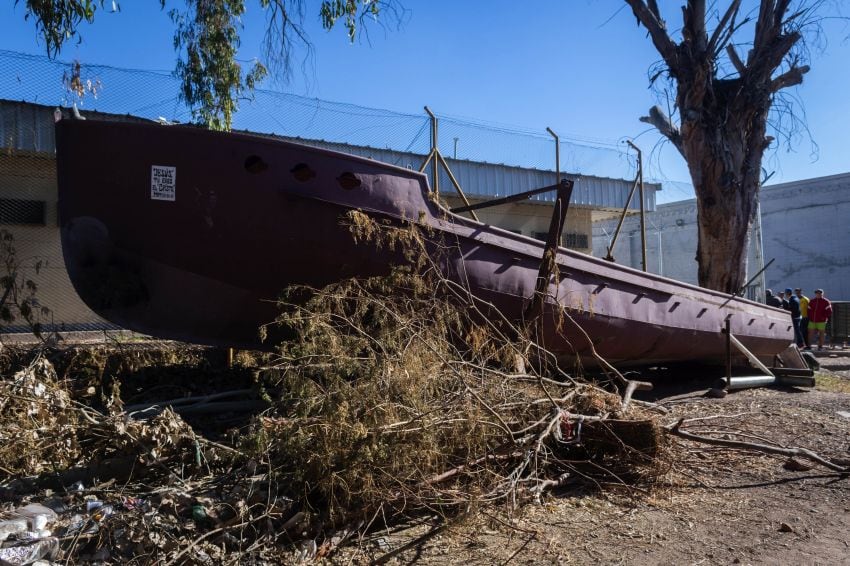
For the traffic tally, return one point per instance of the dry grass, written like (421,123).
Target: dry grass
(38,422)
(828,381)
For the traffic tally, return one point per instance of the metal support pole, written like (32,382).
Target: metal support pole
(507,200)
(760,296)
(557,155)
(426,162)
(642,211)
(434,147)
(610,255)
(728,332)
(460,192)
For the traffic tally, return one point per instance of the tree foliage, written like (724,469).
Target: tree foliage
(207,37)
(723,101)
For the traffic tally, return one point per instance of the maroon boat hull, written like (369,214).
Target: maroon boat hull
(188,234)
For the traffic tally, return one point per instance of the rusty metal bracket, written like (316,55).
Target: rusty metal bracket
(609,255)
(509,199)
(548,262)
(767,377)
(438,159)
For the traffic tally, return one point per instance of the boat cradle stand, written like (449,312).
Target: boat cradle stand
(777,375)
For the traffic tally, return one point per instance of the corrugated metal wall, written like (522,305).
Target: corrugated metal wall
(26,127)
(490,180)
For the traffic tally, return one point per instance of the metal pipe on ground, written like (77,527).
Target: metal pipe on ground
(747,381)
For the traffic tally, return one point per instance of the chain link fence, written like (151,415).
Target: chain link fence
(37,289)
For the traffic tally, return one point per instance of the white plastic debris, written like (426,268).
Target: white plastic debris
(12,527)
(28,553)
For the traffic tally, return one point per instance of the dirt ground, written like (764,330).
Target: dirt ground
(716,506)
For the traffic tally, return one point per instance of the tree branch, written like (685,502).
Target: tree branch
(695,21)
(762,65)
(658,118)
(790,452)
(655,26)
(763,31)
(769,30)
(653,7)
(793,76)
(736,60)
(728,18)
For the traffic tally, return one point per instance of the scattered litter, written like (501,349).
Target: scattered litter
(199,514)
(134,503)
(30,552)
(12,527)
(92,505)
(101,513)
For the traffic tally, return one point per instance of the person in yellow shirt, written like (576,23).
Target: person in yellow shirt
(804,313)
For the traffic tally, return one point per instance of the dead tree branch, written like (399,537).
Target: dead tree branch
(649,17)
(764,448)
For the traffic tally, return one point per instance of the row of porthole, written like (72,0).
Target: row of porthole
(302,172)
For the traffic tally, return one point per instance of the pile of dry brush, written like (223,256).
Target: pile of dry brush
(399,396)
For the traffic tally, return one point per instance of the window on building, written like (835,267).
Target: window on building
(20,211)
(575,240)
(569,240)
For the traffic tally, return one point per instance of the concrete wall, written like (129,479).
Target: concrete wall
(31,176)
(805,229)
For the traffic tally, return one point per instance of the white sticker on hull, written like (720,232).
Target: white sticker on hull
(163,182)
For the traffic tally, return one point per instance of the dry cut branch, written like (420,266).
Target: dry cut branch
(764,448)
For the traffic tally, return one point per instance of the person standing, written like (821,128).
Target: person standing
(772,300)
(820,309)
(804,316)
(794,308)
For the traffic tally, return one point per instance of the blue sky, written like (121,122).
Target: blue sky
(578,66)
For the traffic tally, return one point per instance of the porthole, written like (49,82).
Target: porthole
(254,164)
(302,172)
(348,181)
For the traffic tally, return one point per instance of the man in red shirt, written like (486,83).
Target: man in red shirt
(820,309)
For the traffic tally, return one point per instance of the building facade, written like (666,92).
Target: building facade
(804,230)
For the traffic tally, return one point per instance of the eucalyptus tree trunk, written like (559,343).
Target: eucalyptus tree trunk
(722,121)
(723,147)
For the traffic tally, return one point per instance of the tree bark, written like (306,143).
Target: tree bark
(725,174)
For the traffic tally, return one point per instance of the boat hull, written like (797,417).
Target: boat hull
(187,234)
